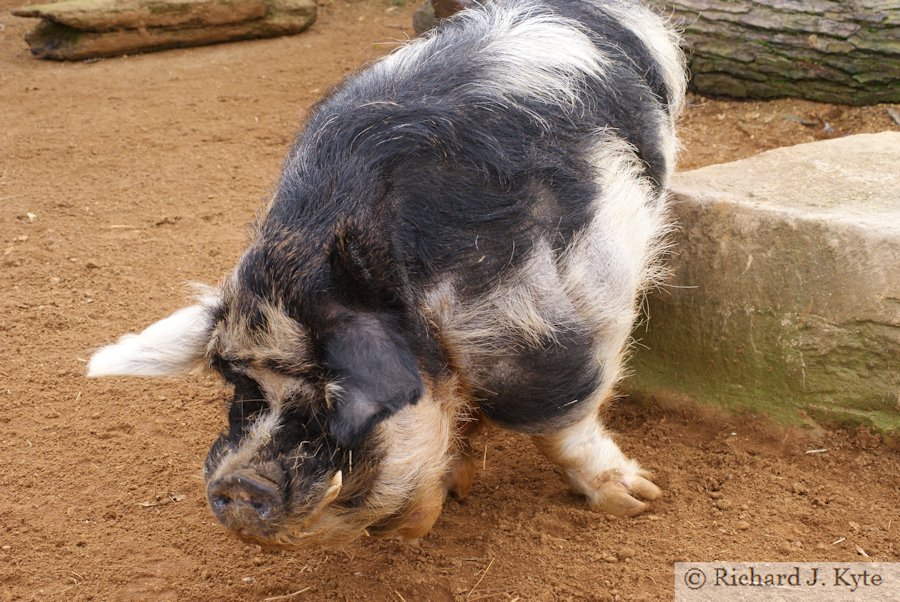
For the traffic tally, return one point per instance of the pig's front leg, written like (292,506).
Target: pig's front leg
(594,466)
(461,473)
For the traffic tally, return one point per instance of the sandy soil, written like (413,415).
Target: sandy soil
(121,180)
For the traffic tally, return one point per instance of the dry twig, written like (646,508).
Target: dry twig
(471,591)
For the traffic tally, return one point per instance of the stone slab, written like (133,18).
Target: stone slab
(785,294)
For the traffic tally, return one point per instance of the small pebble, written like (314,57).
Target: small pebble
(626,552)
(247,579)
(854,525)
(610,558)
(723,504)
(92,265)
(742,525)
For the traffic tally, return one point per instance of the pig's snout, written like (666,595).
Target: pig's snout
(246,501)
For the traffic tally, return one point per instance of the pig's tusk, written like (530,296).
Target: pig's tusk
(333,490)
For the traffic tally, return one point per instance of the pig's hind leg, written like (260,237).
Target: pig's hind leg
(594,466)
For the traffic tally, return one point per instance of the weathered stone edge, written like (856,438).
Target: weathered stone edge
(832,358)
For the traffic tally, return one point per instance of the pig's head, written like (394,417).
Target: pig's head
(332,430)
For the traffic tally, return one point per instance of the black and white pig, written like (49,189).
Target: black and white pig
(461,233)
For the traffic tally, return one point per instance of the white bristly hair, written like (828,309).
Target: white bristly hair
(527,49)
(661,41)
(172,346)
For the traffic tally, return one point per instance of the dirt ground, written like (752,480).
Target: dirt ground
(123,179)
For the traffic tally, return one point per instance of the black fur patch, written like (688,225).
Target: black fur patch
(535,387)
(376,372)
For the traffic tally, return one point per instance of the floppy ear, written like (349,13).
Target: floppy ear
(169,347)
(376,372)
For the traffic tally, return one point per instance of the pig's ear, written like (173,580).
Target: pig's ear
(172,346)
(376,375)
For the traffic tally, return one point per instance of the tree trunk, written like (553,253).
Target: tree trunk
(834,51)
(842,51)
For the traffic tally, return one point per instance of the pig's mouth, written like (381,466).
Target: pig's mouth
(325,530)
(254,509)
(276,542)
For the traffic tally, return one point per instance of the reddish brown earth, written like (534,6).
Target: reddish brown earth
(123,179)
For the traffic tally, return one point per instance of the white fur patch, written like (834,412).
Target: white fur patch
(527,51)
(258,436)
(616,258)
(536,53)
(419,447)
(172,346)
(528,309)
(587,453)
(281,390)
(663,43)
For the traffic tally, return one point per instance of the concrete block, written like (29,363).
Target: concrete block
(785,294)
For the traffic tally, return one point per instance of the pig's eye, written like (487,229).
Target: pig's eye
(248,401)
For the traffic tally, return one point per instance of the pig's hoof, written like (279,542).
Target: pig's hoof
(622,495)
(460,477)
(418,523)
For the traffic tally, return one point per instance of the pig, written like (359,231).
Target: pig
(461,233)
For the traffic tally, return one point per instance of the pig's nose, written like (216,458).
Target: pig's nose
(245,500)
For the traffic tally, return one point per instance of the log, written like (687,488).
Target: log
(841,51)
(434,11)
(82,29)
(108,15)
